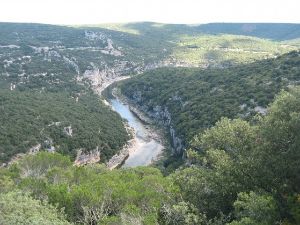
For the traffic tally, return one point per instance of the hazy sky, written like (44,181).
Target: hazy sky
(167,11)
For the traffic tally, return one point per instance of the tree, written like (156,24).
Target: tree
(38,165)
(237,157)
(19,208)
(252,208)
(182,213)
(279,153)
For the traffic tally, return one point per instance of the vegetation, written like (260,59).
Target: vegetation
(275,31)
(208,44)
(224,50)
(32,211)
(196,98)
(238,173)
(249,169)
(42,54)
(244,170)
(45,99)
(93,194)
(32,118)
(47,67)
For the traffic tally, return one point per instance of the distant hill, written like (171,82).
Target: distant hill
(215,43)
(273,31)
(132,47)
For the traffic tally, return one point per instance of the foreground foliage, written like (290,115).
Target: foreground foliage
(251,170)
(92,194)
(19,208)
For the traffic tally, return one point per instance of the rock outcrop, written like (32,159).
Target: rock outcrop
(118,159)
(87,158)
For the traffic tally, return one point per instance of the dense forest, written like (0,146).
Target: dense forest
(55,121)
(237,173)
(197,98)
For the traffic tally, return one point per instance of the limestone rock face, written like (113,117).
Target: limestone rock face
(35,149)
(162,116)
(87,158)
(118,159)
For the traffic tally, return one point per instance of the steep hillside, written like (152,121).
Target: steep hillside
(31,121)
(46,75)
(47,56)
(191,100)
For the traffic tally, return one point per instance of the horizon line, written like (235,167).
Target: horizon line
(145,21)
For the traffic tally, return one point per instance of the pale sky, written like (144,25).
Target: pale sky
(165,11)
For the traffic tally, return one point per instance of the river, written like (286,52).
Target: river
(146,148)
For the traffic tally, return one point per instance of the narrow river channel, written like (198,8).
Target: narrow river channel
(147,148)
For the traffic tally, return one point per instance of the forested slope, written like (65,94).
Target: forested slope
(46,97)
(54,121)
(195,99)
